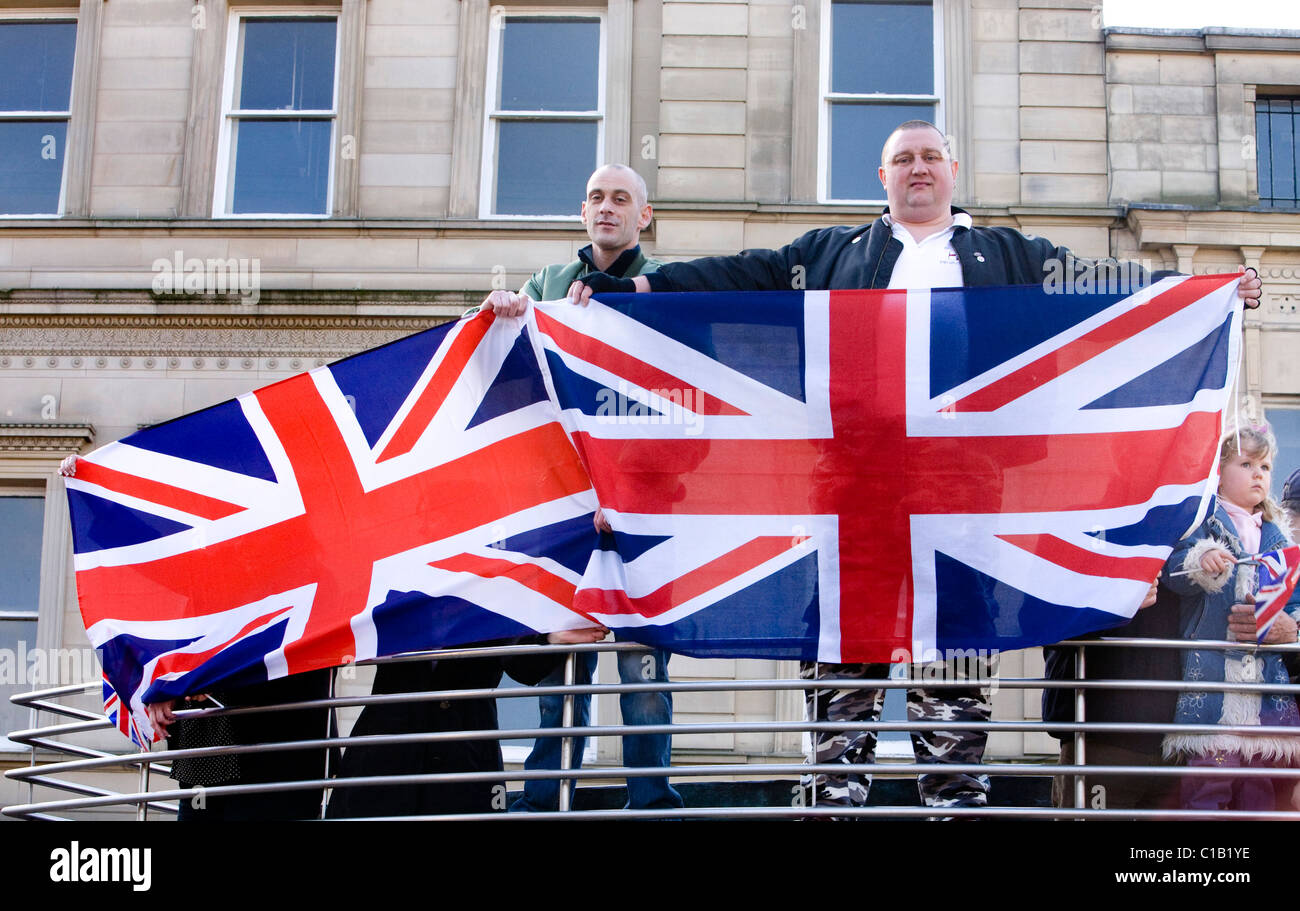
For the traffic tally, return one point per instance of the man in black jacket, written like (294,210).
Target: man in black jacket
(920,241)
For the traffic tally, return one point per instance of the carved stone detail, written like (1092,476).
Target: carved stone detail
(150,341)
(1284,305)
(45,437)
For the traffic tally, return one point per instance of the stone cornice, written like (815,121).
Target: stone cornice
(1214,228)
(45,437)
(215,321)
(828,213)
(288,227)
(45,340)
(1201,40)
(272,303)
(1273,40)
(91,330)
(1154,40)
(814,216)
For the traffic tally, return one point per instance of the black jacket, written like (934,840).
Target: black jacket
(431,716)
(1147,706)
(845,257)
(260,768)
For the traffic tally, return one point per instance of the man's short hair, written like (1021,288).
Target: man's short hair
(1291,492)
(915,125)
(642,192)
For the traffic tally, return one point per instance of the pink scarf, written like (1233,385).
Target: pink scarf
(1248,525)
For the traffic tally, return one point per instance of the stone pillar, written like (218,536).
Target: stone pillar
(80,143)
(1251,354)
(347,134)
(1185,254)
(203,128)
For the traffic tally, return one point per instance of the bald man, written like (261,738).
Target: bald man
(614,212)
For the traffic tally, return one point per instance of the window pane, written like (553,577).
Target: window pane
(37,59)
(882,48)
(1282,150)
(288,64)
(281,166)
(858,132)
(550,65)
(31,166)
(12,632)
(22,522)
(1286,427)
(542,167)
(1263,157)
(518,713)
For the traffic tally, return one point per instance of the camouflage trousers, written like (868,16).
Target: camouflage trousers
(859,746)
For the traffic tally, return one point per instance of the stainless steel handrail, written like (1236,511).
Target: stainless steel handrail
(47,774)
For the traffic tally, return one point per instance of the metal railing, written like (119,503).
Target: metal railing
(61,774)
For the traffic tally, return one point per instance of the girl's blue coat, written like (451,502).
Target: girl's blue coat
(1204,615)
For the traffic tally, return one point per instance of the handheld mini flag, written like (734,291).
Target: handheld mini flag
(1278,572)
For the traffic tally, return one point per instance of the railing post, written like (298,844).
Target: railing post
(142,808)
(566,742)
(34,720)
(812,735)
(329,732)
(1080,739)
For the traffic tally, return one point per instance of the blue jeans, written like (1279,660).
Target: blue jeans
(639,750)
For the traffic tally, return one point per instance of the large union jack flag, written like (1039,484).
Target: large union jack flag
(415,496)
(877,475)
(849,476)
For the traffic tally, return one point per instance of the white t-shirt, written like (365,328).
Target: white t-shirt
(933,262)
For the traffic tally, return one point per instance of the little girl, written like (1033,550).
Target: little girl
(1247,521)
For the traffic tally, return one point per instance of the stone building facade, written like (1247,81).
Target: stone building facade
(367,161)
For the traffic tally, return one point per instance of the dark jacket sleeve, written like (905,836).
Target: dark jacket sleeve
(1004,256)
(749,270)
(530,668)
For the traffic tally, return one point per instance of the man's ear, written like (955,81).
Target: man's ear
(880,172)
(643,220)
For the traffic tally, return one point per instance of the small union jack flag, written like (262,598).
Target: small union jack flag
(1278,572)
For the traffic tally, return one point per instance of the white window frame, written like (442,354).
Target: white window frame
(229,114)
(1272,404)
(52,15)
(35,474)
(493,115)
(10,488)
(1260,152)
(829,98)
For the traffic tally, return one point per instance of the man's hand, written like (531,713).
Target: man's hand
(507,303)
(68,467)
(600,283)
(160,715)
(1151,596)
(1242,628)
(602,523)
(1250,289)
(577,636)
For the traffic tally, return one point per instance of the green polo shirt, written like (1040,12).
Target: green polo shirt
(552,282)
